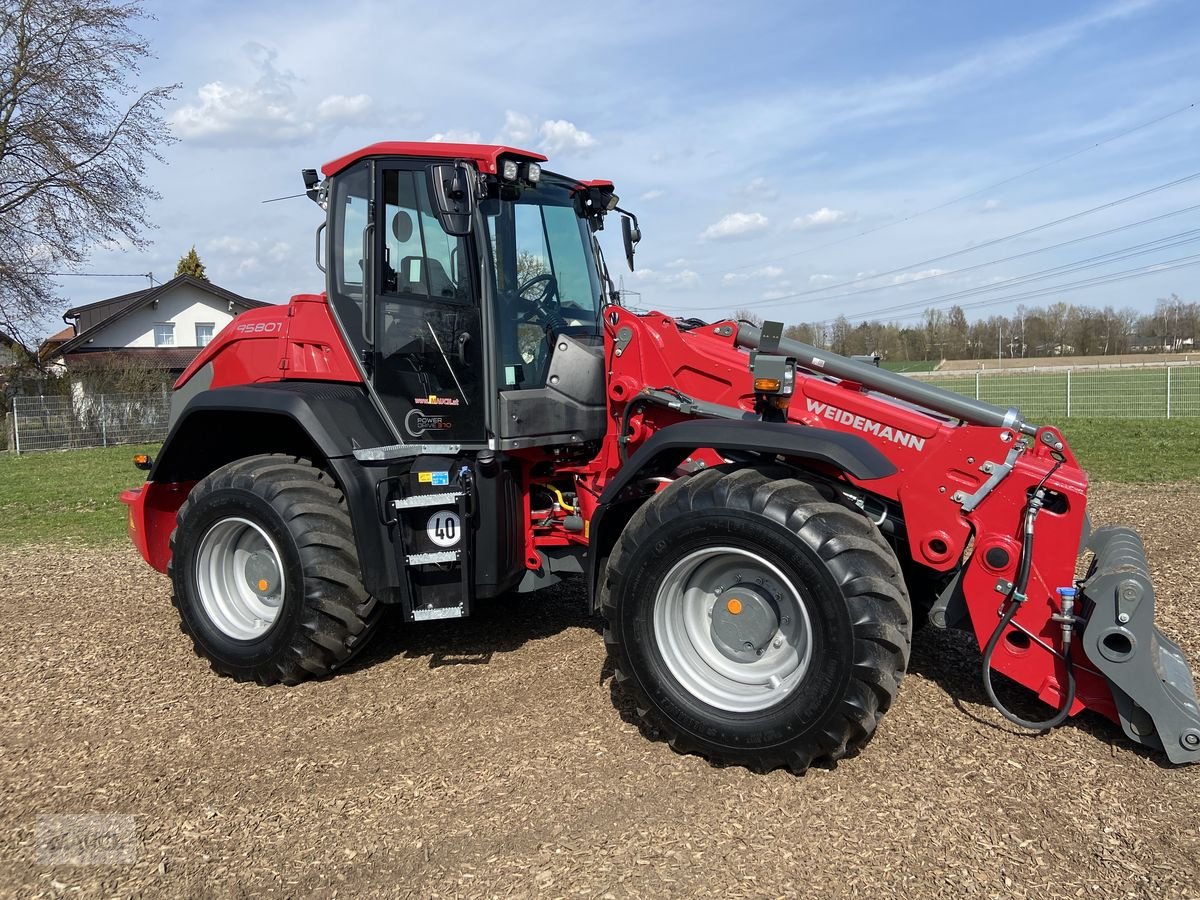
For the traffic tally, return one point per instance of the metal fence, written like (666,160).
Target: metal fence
(68,423)
(1143,393)
(62,423)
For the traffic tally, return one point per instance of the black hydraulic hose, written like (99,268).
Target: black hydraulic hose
(1014,600)
(623,434)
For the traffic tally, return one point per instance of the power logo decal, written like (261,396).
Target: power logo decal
(418,423)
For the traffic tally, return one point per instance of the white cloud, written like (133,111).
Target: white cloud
(990,205)
(454,136)
(339,107)
(821,278)
(231,245)
(279,251)
(561,136)
(735,225)
(679,263)
(766,272)
(266,112)
(679,278)
(906,277)
(653,194)
(518,129)
(761,189)
(823,218)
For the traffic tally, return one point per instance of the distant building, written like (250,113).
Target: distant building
(161,328)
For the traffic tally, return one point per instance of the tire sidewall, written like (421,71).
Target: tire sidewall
(811,703)
(205,512)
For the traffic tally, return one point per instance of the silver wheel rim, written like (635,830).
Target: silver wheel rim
(765,667)
(239,576)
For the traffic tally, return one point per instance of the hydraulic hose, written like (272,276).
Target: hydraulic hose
(1014,600)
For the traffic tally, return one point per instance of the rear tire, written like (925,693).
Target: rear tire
(823,625)
(265,572)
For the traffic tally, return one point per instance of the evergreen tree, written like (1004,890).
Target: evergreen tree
(189,264)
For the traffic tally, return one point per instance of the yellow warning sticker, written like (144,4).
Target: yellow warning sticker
(425,477)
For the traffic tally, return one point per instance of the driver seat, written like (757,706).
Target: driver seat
(417,272)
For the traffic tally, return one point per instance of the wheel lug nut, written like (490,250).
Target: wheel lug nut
(785,621)
(778,643)
(758,652)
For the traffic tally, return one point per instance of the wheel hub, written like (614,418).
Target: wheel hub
(262,574)
(239,577)
(733,629)
(745,619)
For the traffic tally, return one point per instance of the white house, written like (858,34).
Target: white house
(162,327)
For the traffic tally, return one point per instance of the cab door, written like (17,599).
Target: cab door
(427,354)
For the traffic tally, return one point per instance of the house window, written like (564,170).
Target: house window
(164,334)
(204,333)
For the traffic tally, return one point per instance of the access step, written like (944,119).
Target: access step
(445,499)
(437,556)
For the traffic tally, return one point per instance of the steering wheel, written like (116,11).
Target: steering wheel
(539,301)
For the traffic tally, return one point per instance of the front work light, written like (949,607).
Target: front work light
(533,173)
(508,170)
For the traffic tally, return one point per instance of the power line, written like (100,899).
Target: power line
(1015,256)
(1091,262)
(1181,262)
(966,196)
(90,274)
(1000,240)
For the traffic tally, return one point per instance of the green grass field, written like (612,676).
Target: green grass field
(919,365)
(68,495)
(72,495)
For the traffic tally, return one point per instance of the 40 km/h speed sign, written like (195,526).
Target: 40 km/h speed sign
(444,528)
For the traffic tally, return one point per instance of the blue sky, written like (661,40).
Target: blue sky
(746,136)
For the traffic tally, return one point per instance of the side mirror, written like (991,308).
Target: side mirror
(451,185)
(631,235)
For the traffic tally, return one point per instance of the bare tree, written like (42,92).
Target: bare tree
(75,139)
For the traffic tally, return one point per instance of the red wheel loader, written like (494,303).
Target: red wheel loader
(468,411)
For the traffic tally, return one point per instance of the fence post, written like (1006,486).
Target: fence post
(103,424)
(1168,392)
(16,432)
(1068,393)
(977,384)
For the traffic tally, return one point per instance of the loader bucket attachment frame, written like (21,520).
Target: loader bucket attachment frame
(1150,679)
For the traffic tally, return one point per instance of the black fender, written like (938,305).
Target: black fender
(670,446)
(321,421)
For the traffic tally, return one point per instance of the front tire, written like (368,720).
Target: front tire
(265,572)
(755,622)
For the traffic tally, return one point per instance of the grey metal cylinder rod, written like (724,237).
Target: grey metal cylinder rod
(825,362)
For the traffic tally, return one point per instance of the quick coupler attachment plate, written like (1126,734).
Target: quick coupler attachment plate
(1151,682)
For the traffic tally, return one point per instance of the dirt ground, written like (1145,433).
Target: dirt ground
(488,758)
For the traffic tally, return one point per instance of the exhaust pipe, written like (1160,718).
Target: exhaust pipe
(928,396)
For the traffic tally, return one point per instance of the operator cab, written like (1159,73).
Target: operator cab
(470,284)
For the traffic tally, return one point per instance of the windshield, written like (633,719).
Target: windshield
(545,278)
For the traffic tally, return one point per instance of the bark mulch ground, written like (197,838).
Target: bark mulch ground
(488,758)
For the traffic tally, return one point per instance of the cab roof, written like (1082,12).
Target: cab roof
(485,156)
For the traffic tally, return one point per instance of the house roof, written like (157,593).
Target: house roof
(65,335)
(174,358)
(138,299)
(84,307)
